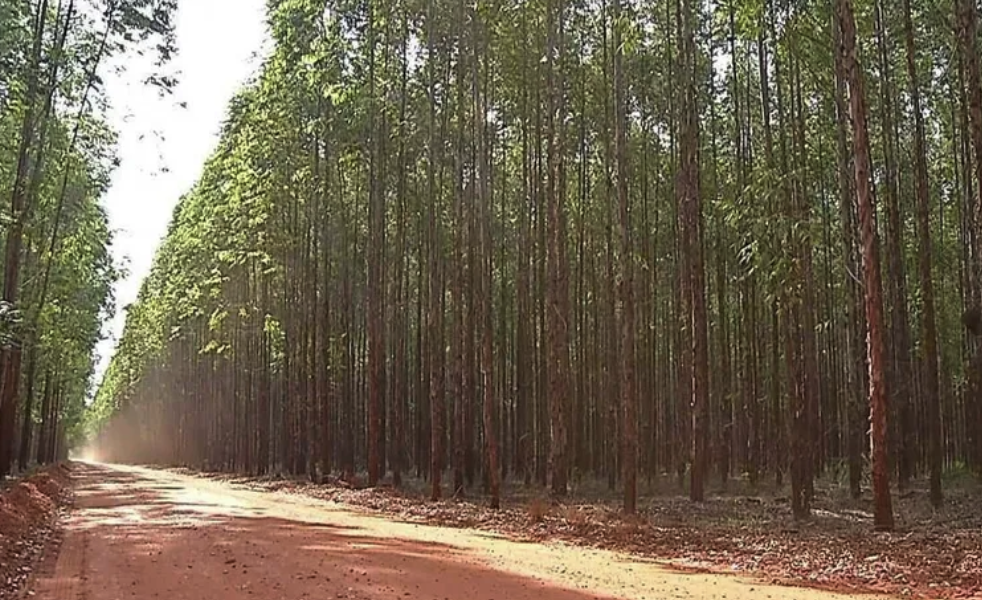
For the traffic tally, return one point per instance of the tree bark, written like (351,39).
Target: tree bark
(929,327)
(557,318)
(691,206)
(873,293)
(629,417)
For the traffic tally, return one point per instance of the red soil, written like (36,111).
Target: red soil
(28,513)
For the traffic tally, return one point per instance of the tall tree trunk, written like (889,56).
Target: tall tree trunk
(401,363)
(901,378)
(968,28)
(557,317)
(376,208)
(484,203)
(629,417)
(10,354)
(462,344)
(691,205)
(929,327)
(434,314)
(854,318)
(873,293)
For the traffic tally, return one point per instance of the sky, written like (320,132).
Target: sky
(163,144)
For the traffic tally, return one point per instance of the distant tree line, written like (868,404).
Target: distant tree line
(555,239)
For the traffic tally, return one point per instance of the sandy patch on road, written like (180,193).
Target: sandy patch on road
(148,534)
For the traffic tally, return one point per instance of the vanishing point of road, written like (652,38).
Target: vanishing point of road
(145,534)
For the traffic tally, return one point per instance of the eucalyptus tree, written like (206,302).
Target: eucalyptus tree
(54,169)
(536,242)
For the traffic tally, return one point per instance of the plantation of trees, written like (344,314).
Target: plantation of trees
(56,158)
(495,242)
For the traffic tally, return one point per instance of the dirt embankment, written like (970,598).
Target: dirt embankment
(29,509)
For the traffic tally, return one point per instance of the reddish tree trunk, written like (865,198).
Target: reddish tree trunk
(873,294)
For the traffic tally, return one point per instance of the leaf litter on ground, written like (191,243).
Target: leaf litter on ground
(932,554)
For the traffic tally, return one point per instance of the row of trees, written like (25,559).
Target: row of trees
(559,239)
(56,155)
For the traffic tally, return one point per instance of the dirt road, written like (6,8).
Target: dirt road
(144,534)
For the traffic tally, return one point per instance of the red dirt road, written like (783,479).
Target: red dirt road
(144,534)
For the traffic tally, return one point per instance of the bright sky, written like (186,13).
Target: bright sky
(163,146)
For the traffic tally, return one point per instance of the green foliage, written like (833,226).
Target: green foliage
(52,120)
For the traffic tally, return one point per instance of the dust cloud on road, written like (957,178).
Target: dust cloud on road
(144,534)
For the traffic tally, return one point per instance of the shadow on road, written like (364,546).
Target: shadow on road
(148,538)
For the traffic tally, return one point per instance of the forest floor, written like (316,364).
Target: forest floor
(143,533)
(932,554)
